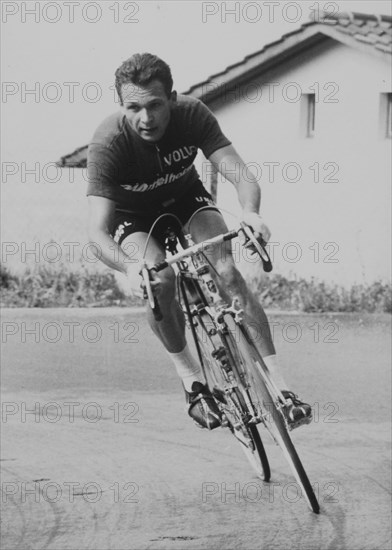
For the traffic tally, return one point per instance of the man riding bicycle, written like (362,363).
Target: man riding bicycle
(140,165)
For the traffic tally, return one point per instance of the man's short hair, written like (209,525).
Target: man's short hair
(141,69)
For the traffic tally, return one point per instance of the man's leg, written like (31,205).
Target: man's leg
(171,332)
(171,329)
(207,224)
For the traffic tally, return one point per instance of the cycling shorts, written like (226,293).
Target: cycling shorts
(125,223)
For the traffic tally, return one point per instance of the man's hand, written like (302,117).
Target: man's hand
(155,284)
(258,225)
(132,283)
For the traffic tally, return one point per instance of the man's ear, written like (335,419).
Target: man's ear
(173,96)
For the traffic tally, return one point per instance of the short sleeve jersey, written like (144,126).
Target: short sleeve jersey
(139,175)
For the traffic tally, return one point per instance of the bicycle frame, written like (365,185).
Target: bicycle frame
(214,307)
(244,379)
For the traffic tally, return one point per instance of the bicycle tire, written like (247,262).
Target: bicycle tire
(265,401)
(256,455)
(247,435)
(254,450)
(266,474)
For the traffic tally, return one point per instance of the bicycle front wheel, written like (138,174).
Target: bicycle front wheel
(267,405)
(247,434)
(254,451)
(231,404)
(229,399)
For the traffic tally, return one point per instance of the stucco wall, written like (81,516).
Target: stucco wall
(44,221)
(343,200)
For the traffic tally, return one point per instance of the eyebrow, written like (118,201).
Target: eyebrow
(133,103)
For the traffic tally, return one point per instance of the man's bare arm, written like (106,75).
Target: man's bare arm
(101,211)
(229,163)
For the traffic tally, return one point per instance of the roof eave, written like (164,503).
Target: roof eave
(273,55)
(267,59)
(76,159)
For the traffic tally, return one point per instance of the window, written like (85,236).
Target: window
(308,114)
(386,115)
(389,116)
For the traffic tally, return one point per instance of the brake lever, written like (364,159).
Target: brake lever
(257,247)
(148,293)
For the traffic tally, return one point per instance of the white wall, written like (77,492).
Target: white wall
(35,213)
(353,213)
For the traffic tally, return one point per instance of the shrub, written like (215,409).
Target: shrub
(60,286)
(50,286)
(314,296)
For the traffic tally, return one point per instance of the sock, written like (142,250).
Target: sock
(272,364)
(187,367)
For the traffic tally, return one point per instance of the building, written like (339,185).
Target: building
(311,114)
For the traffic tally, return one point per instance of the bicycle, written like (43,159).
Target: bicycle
(233,368)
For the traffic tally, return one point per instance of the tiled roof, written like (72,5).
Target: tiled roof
(375,30)
(77,159)
(369,33)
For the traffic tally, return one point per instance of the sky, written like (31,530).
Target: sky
(67,53)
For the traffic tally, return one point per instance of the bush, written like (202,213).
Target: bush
(50,286)
(59,286)
(314,296)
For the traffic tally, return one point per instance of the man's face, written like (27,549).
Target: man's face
(147,109)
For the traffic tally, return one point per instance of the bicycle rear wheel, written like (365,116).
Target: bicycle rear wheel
(268,406)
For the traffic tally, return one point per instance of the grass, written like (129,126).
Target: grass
(60,286)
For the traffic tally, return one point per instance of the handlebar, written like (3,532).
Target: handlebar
(194,249)
(251,243)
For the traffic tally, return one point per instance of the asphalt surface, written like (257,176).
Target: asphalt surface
(97,452)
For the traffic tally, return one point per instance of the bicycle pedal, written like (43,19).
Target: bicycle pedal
(219,395)
(224,421)
(298,423)
(253,420)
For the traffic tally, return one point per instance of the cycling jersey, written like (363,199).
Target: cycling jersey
(139,175)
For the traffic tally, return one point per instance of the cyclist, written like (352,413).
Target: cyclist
(140,165)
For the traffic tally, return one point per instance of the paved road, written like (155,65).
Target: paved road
(98,454)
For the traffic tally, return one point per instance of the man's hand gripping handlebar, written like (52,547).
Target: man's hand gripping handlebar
(150,284)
